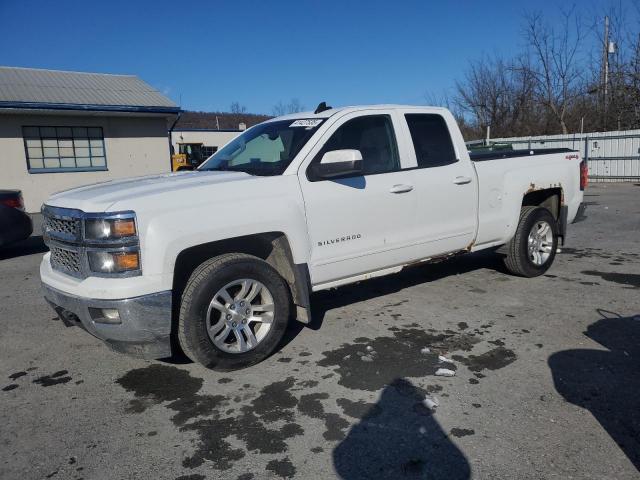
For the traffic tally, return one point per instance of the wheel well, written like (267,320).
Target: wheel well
(272,247)
(550,198)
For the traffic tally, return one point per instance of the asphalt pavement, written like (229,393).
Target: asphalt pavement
(546,383)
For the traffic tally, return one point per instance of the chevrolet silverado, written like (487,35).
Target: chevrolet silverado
(216,261)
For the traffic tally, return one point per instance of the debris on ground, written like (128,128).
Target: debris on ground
(425,350)
(445,372)
(431,403)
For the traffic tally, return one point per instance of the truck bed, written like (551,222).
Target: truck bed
(502,185)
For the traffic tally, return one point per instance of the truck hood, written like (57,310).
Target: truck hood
(100,197)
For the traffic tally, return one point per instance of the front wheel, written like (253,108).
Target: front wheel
(533,248)
(234,312)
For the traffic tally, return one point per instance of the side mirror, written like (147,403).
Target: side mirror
(338,163)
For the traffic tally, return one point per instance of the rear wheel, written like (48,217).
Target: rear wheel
(234,312)
(533,248)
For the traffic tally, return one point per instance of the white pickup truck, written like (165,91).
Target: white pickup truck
(216,261)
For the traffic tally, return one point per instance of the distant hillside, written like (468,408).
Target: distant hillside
(217,120)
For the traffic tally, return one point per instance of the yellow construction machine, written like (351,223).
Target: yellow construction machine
(189,156)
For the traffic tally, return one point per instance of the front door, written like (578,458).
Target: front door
(357,224)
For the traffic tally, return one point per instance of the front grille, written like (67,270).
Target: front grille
(67,261)
(66,227)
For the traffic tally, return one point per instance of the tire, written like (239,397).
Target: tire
(199,314)
(519,260)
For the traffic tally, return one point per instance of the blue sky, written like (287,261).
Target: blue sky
(206,54)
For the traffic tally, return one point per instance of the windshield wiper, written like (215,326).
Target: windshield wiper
(227,169)
(214,169)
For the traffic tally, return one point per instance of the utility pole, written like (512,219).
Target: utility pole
(604,77)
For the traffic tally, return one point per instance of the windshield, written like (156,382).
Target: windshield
(266,149)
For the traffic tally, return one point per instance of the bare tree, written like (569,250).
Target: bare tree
(557,83)
(633,85)
(555,62)
(279,109)
(484,94)
(498,94)
(294,106)
(236,108)
(439,100)
(620,107)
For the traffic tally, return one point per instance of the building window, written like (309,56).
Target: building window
(64,149)
(208,151)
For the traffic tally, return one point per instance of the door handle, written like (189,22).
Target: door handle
(462,180)
(401,188)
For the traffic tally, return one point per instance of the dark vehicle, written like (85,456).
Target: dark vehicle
(15,223)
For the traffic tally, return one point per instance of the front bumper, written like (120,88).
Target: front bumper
(145,328)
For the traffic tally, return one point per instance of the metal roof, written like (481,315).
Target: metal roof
(55,89)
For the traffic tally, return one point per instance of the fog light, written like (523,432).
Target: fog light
(105,315)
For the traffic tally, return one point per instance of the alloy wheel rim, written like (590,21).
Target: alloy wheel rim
(240,315)
(540,243)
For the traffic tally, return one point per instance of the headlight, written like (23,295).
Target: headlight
(113,262)
(112,243)
(109,228)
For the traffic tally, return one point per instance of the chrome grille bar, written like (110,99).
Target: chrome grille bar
(67,261)
(62,224)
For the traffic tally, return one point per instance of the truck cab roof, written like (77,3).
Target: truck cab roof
(353,108)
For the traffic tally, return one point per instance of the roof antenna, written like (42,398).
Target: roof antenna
(322,106)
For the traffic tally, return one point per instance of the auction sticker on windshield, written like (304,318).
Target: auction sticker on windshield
(308,122)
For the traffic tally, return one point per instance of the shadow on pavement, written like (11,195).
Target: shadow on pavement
(326,300)
(33,244)
(399,438)
(606,382)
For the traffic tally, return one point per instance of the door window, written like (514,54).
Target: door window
(373,135)
(431,140)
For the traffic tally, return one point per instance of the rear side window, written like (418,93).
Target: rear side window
(373,136)
(431,140)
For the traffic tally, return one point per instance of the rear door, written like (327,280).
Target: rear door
(355,222)
(445,183)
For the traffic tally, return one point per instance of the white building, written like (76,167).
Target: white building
(59,130)
(203,133)
(208,141)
